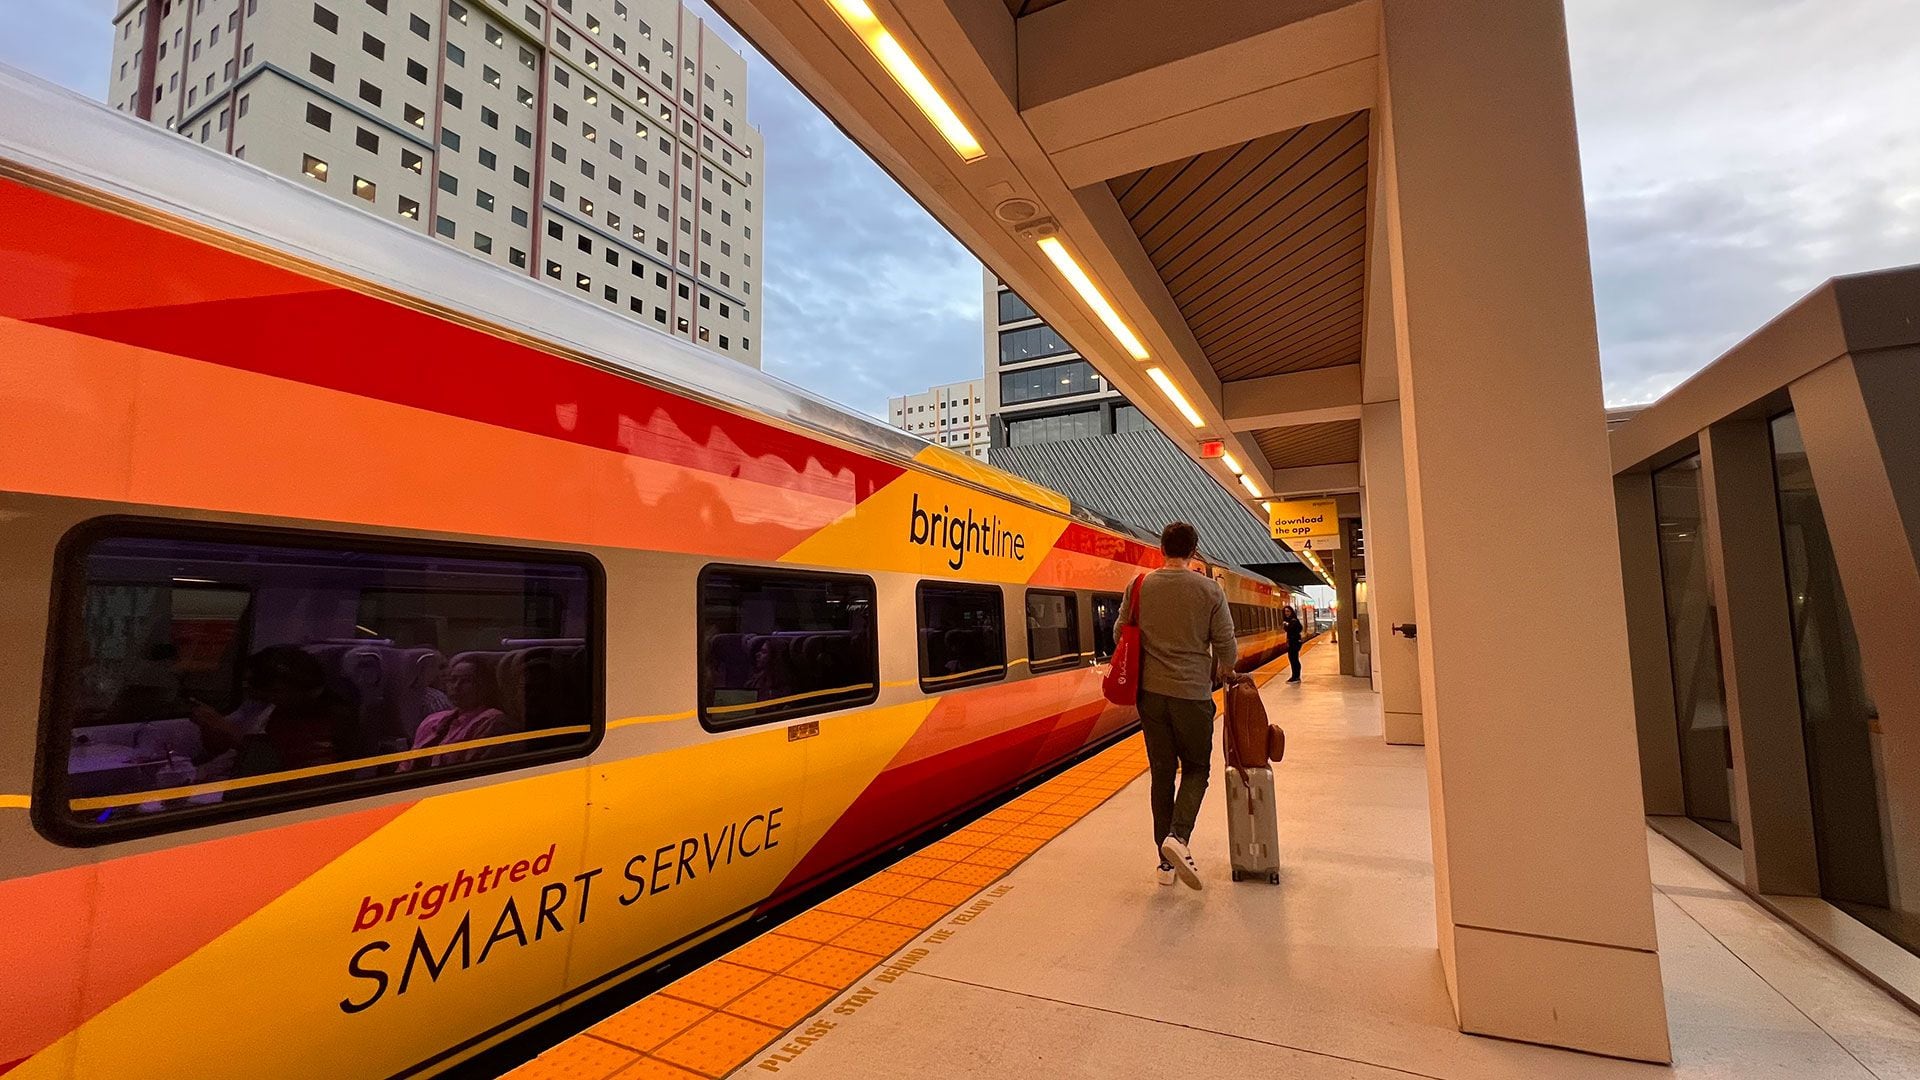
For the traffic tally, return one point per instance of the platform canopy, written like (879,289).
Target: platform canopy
(1206,168)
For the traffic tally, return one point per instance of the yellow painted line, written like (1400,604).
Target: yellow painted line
(15,802)
(662,718)
(241,783)
(745,705)
(720,1017)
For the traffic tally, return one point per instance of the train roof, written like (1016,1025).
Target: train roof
(53,138)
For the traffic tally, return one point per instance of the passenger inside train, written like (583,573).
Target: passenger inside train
(214,665)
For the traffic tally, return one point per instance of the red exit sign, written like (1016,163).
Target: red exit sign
(1213,448)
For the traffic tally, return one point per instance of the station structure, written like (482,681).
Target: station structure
(1310,226)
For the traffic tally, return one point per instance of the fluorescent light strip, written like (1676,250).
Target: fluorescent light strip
(866,26)
(1069,268)
(1232,465)
(1174,395)
(1247,482)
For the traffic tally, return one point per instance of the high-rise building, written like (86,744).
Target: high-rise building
(1038,387)
(601,146)
(953,416)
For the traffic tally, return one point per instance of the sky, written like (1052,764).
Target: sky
(1736,153)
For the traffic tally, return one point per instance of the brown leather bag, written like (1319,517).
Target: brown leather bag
(1250,741)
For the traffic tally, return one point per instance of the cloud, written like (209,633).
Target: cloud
(1737,153)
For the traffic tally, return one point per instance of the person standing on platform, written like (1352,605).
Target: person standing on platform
(1290,622)
(1187,648)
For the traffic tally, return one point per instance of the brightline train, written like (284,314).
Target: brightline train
(388,667)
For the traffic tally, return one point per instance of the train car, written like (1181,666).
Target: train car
(398,650)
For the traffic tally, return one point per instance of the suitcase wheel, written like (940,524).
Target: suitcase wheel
(1273,878)
(1238,876)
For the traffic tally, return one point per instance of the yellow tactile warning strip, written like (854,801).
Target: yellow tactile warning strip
(719,1017)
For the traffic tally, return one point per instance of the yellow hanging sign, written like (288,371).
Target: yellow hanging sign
(1308,519)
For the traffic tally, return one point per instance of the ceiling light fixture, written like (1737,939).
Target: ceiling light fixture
(1174,395)
(866,26)
(1247,482)
(1233,466)
(1070,269)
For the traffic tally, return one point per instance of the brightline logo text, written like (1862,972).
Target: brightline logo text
(958,535)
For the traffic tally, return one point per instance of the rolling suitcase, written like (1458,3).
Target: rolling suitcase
(1253,823)
(1253,826)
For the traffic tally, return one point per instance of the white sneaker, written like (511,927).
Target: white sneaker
(1166,873)
(1174,851)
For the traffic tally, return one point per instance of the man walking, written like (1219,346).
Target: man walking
(1186,639)
(1290,622)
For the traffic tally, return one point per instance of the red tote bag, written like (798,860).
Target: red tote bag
(1122,684)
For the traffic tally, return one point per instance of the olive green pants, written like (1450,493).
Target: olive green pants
(1179,736)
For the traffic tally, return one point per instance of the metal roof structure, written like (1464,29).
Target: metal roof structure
(1143,479)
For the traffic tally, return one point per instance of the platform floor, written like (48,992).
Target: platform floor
(1075,963)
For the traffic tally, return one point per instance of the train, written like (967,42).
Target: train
(399,651)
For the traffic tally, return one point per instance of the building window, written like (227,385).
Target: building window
(483,243)
(444,226)
(325,20)
(412,162)
(517,257)
(449,183)
(370,93)
(219,621)
(483,200)
(319,117)
(1130,418)
(1027,431)
(962,630)
(1054,380)
(452,96)
(320,66)
(420,27)
(778,644)
(1014,309)
(364,188)
(1031,343)
(1706,748)
(456,54)
(417,71)
(313,167)
(450,138)
(373,47)
(416,116)
(409,209)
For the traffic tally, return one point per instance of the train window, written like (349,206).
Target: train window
(963,635)
(1053,630)
(204,672)
(780,644)
(1106,621)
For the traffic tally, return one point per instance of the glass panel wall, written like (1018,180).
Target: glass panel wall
(1014,309)
(1039,429)
(1031,343)
(1130,418)
(1052,381)
(1838,719)
(1699,697)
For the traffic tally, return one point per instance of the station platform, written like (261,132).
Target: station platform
(1035,943)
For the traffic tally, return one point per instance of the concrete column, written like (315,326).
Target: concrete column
(1860,419)
(1646,629)
(1748,576)
(1390,571)
(1542,891)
